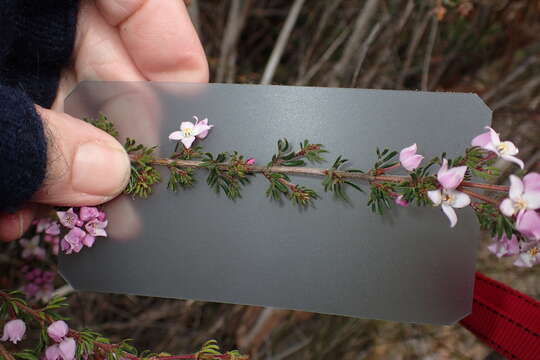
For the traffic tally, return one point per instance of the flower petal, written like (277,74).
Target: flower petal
(67,348)
(524,260)
(516,188)
(531,182)
(481,140)
(460,200)
(186,125)
(528,223)
(188,141)
(176,135)
(513,159)
(509,148)
(412,162)
(507,207)
(435,196)
(407,152)
(451,179)
(532,199)
(450,213)
(495,139)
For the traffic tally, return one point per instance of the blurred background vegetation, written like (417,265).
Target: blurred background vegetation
(489,47)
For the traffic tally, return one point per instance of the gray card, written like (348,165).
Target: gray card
(333,258)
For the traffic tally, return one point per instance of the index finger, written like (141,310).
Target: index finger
(160,38)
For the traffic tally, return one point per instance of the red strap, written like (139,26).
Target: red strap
(505,319)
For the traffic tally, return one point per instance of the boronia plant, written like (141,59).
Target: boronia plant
(510,213)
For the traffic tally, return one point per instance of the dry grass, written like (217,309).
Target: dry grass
(494,51)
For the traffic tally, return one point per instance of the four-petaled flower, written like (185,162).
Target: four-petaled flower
(491,141)
(409,159)
(448,197)
(32,249)
(523,195)
(14,331)
(529,256)
(189,131)
(504,246)
(68,218)
(73,241)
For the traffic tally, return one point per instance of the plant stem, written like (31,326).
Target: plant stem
(103,346)
(6,354)
(480,197)
(287,170)
(485,186)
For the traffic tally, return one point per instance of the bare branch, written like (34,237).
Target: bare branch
(277,52)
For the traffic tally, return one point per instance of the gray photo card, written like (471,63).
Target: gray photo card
(333,257)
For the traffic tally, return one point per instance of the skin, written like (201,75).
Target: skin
(117,40)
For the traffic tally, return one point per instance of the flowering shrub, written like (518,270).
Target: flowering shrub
(510,214)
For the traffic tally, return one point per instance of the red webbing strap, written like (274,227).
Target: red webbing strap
(505,319)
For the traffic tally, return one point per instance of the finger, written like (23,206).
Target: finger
(13,226)
(86,166)
(160,38)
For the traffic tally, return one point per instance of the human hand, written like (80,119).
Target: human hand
(117,40)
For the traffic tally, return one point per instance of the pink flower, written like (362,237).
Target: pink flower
(96,228)
(88,240)
(68,218)
(189,131)
(504,246)
(528,223)
(58,330)
(409,159)
(53,353)
(53,229)
(401,201)
(73,241)
(67,348)
(523,195)
(250,161)
(529,257)
(204,123)
(491,141)
(450,178)
(14,331)
(447,196)
(31,249)
(88,213)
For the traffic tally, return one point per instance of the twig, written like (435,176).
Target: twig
(480,197)
(277,52)
(365,47)
(5,354)
(360,28)
(429,52)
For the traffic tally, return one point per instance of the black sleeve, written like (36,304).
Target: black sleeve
(36,42)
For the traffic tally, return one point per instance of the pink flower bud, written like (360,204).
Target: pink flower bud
(58,330)
(14,331)
(409,159)
(67,349)
(401,201)
(250,161)
(88,213)
(53,353)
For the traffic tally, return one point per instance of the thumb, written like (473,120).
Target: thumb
(86,166)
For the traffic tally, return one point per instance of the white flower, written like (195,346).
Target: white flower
(449,199)
(491,141)
(189,131)
(523,195)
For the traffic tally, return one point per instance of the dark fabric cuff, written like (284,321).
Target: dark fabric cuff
(23,148)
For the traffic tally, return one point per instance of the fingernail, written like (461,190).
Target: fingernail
(100,169)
